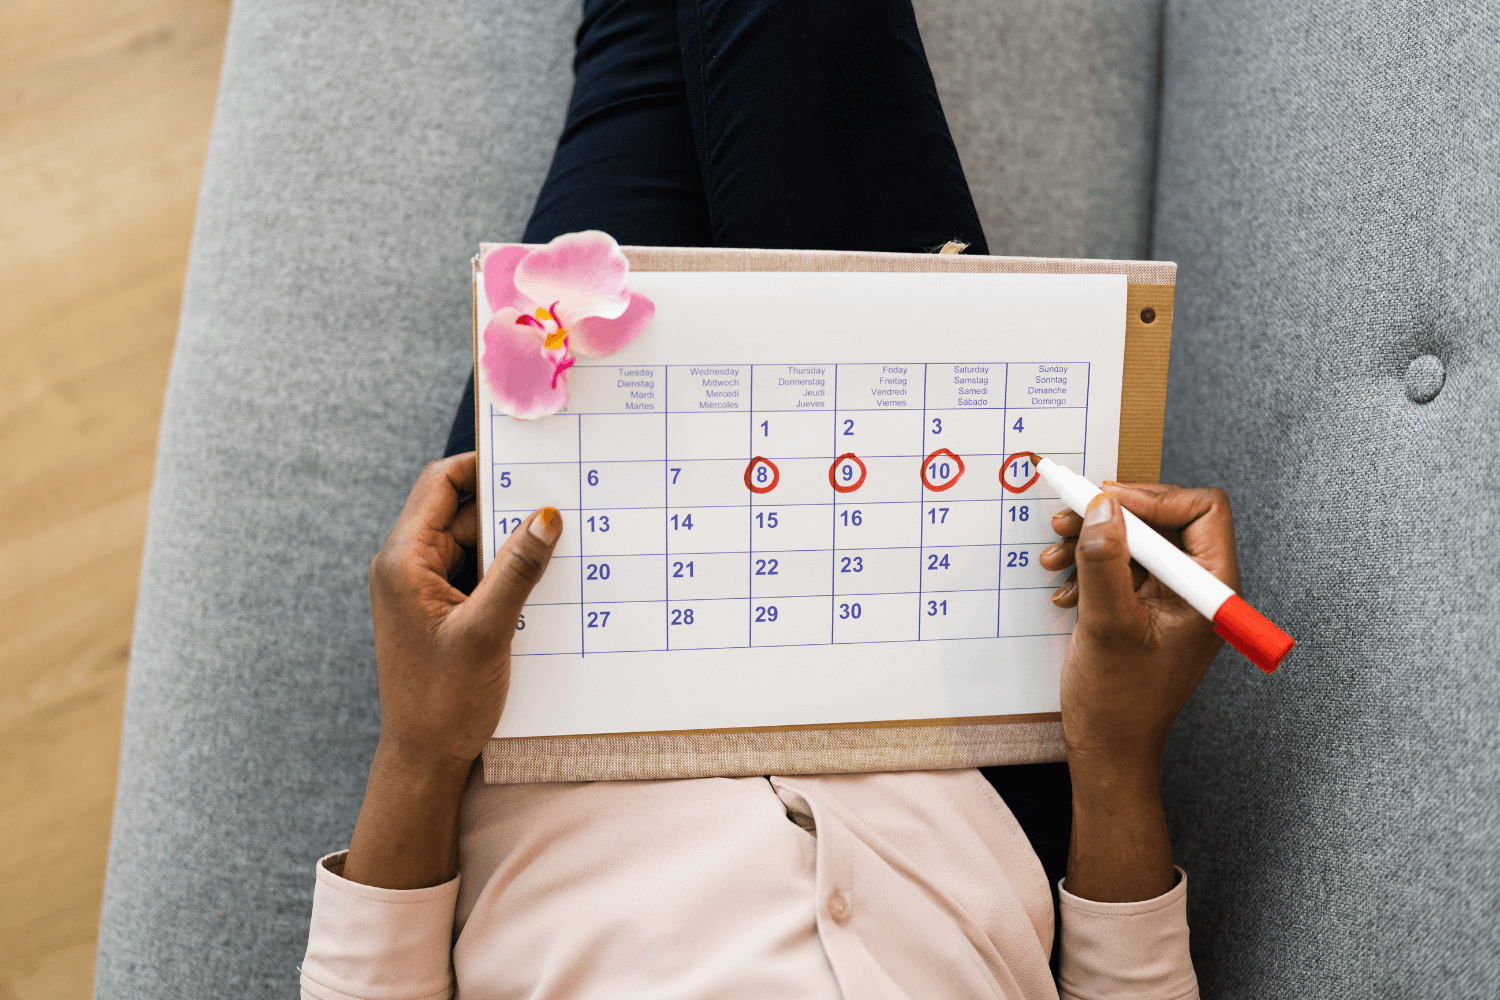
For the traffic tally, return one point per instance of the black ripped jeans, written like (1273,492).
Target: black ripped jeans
(799,124)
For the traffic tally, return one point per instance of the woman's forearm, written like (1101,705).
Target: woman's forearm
(406,836)
(1120,851)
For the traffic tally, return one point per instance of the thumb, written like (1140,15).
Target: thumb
(1107,603)
(501,595)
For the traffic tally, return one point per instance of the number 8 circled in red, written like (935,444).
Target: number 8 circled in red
(775,475)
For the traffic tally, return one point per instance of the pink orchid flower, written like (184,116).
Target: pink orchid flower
(551,306)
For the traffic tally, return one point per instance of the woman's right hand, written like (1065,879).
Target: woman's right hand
(1136,656)
(1139,649)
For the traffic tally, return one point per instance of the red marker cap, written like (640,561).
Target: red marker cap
(1252,633)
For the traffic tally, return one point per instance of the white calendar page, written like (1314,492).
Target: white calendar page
(797,500)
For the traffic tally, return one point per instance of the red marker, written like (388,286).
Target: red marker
(1244,628)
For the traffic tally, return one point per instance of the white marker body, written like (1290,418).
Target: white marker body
(1165,561)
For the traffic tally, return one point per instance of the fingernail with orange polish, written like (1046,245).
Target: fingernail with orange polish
(1101,510)
(1063,592)
(547,525)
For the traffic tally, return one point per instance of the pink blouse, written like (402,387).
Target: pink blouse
(912,885)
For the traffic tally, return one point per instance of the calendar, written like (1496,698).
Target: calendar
(807,498)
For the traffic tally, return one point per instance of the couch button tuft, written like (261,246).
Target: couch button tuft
(1424,379)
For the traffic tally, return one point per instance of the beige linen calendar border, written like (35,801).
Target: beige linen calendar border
(908,744)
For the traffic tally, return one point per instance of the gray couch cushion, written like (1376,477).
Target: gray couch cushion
(360,153)
(1052,104)
(1328,188)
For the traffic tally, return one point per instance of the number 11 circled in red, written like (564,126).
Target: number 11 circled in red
(1018,465)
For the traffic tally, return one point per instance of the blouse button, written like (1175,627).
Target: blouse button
(838,907)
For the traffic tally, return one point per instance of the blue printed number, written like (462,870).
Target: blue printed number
(935,608)
(507,525)
(679,570)
(682,521)
(937,562)
(598,619)
(766,613)
(852,564)
(1015,559)
(1018,513)
(505,480)
(599,522)
(598,571)
(850,611)
(521,622)
(766,567)
(682,616)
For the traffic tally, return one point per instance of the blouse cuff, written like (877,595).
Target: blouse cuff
(1126,950)
(378,944)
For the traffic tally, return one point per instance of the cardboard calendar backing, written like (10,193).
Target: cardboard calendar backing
(913,744)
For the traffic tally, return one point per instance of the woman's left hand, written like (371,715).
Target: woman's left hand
(444,658)
(444,665)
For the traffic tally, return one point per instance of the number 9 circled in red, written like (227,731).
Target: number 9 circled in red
(848,456)
(775,475)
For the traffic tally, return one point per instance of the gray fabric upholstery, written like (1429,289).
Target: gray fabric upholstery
(1328,186)
(1052,104)
(360,153)
(1329,183)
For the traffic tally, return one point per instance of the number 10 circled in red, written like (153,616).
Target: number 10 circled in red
(847,487)
(941,469)
(751,480)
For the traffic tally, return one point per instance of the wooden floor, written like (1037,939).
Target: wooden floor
(105,109)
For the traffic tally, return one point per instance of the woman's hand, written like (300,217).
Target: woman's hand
(444,659)
(1136,656)
(444,665)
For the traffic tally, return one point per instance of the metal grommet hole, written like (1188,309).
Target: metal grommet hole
(1148,315)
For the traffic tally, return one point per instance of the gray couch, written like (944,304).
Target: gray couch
(1327,175)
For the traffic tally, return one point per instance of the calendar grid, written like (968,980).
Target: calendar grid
(583,646)
(1000,555)
(645,583)
(666,485)
(833,509)
(1083,469)
(921,518)
(750,524)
